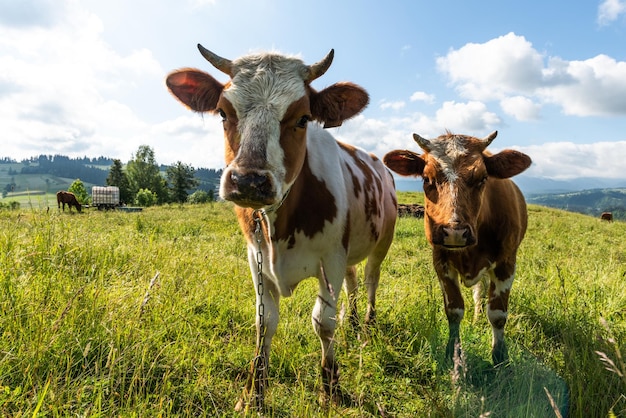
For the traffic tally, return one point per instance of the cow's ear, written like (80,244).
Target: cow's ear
(405,162)
(337,103)
(507,163)
(195,89)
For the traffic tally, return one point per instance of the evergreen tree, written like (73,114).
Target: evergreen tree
(180,178)
(117,177)
(143,173)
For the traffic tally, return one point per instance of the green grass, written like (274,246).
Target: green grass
(79,337)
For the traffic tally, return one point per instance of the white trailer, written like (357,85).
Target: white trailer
(105,197)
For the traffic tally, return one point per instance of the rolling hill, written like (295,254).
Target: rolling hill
(589,202)
(45,175)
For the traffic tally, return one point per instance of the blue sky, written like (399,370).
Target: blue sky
(86,78)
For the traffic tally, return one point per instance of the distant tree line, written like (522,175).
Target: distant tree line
(142,181)
(63,166)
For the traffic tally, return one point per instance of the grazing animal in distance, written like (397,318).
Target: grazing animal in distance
(320,206)
(68,198)
(607,216)
(475,219)
(411,209)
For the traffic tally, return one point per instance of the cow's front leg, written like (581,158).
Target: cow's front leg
(350,286)
(267,315)
(324,320)
(455,310)
(497,310)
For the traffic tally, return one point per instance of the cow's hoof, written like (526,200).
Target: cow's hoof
(245,405)
(338,397)
(500,354)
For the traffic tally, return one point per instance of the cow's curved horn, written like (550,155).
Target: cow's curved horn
(222,64)
(319,68)
(489,138)
(422,142)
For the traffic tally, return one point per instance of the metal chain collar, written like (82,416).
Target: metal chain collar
(260,361)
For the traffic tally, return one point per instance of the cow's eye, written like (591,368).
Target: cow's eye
(430,189)
(478,182)
(222,114)
(301,123)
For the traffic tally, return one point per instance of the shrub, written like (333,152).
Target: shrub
(145,197)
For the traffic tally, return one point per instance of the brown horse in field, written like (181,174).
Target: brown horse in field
(69,198)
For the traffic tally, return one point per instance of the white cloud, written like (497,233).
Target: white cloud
(509,66)
(63,89)
(420,96)
(495,69)
(470,117)
(610,10)
(202,3)
(566,160)
(521,108)
(594,87)
(556,160)
(392,105)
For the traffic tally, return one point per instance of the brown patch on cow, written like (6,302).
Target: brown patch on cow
(356,185)
(454,298)
(230,124)
(499,302)
(372,188)
(247,223)
(293,137)
(307,208)
(345,239)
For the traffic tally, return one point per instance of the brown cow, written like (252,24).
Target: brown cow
(475,219)
(322,206)
(64,197)
(607,216)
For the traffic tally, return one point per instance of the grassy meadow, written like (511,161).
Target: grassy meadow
(152,314)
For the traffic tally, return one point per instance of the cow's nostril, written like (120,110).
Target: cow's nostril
(234,177)
(251,184)
(256,180)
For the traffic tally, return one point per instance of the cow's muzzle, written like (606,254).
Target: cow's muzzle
(455,237)
(253,189)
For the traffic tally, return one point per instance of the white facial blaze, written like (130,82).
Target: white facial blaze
(263,88)
(447,153)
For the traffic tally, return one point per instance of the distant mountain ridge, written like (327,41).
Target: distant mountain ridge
(542,185)
(590,202)
(537,185)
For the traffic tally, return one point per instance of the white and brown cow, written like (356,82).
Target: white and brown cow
(325,206)
(475,219)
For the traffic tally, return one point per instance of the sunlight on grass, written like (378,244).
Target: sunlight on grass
(152,313)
